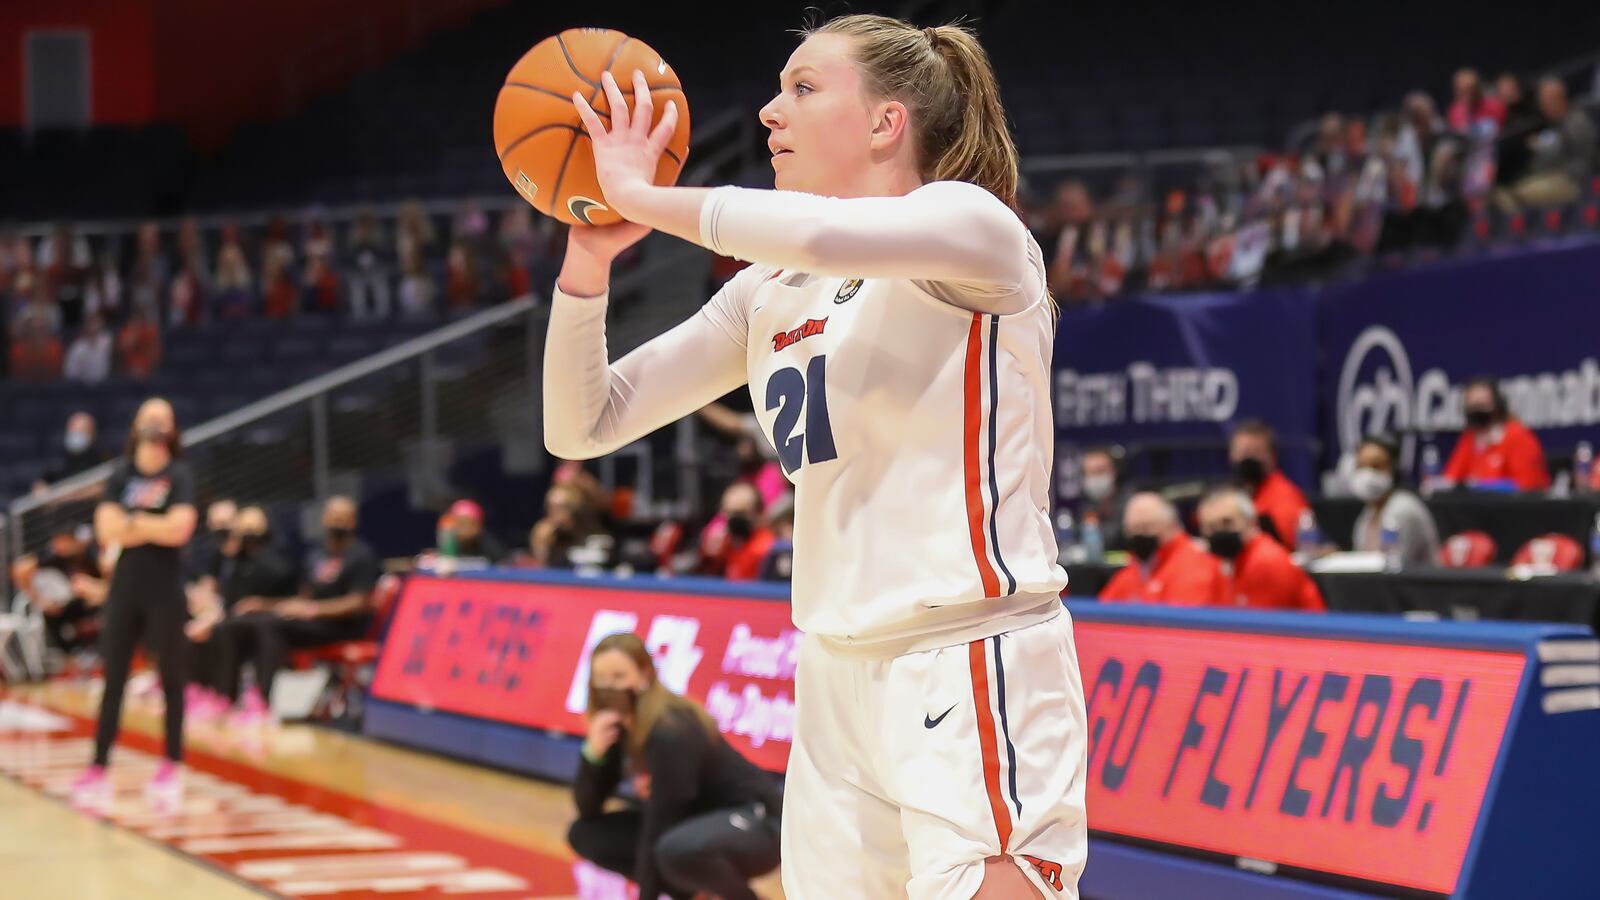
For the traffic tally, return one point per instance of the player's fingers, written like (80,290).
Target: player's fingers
(643,108)
(665,128)
(619,106)
(591,121)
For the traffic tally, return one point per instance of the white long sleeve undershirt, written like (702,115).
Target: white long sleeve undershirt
(955,240)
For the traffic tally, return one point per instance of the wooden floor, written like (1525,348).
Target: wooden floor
(278,811)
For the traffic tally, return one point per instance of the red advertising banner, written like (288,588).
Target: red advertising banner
(518,652)
(1363,759)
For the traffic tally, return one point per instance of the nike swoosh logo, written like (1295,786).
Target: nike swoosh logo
(580,208)
(934,723)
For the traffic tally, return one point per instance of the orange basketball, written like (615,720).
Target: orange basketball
(543,147)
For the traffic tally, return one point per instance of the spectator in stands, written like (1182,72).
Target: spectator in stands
(235,296)
(321,286)
(416,287)
(1253,570)
(1104,495)
(462,534)
(250,573)
(103,290)
(79,453)
(1496,451)
(519,251)
(1522,121)
(1167,565)
(276,250)
(734,544)
(1474,111)
(334,605)
(415,232)
(462,286)
(35,352)
(41,307)
(779,562)
(147,280)
(192,252)
(567,523)
(1563,154)
(89,358)
(1376,482)
(203,561)
(369,268)
(1253,452)
(186,295)
(139,344)
(1420,130)
(708,819)
(280,298)
(63,262)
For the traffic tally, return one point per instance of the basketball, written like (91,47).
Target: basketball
(543,147)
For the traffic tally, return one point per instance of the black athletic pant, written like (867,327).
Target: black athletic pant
(155,614)
(266,639)
(716,852)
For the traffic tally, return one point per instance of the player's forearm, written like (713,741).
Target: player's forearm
(671,209)
(169,529)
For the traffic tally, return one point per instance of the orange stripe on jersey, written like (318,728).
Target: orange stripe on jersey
(774,275)
(973,414)
(986,740)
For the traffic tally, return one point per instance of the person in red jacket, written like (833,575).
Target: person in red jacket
(1253,570)
(1167,565)
(1495,450)
(1253,451)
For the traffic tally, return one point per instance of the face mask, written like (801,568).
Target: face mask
(250,543)
(340,535)
(1226,544)
(1370,484)
(153,434)
(1098,487)
(1143,546)
(1480,418)
(1250,471)
(622,700)
(740,527)
(77,442)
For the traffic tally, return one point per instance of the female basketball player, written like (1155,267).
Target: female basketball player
(896,335)
(149,513)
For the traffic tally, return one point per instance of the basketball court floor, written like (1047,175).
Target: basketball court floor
(291,811)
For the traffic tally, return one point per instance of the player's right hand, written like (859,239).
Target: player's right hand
(605,727)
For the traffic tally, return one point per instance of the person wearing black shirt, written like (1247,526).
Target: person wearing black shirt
(146,518)
(334,604)
(709,820)
(252,569)
(78,451)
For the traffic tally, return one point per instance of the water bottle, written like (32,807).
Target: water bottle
(447,542)
(1389,543)
(1594,547)
(1582,467)
(1094,544)
(1430,469)
(1307,536)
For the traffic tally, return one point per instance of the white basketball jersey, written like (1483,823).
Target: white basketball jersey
(918,436)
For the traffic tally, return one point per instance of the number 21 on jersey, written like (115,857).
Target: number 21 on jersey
(792,393)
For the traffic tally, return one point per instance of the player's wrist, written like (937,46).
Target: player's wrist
(584,273)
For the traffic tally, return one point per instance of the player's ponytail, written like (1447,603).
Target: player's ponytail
(943,75)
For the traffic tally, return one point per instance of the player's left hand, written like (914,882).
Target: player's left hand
(626,155)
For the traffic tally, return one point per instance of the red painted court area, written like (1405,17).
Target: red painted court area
(283,836)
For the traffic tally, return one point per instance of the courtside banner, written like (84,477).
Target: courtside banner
(517,652)
(1368,760)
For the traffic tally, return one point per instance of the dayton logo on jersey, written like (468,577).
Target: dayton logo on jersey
(848,289)
(146,493)
(795,335)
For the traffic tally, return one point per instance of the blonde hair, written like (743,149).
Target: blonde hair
(654,702)
(943,75)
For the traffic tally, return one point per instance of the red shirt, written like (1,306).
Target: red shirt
(1264,577)
(744,562)
(141,349)
(1282,502)
(36,362)
(1181,574)
(1508,453)
(1489,107)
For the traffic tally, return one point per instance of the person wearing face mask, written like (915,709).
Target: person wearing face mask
(1253,570)
(334,604)
(1253,452)
(708,819)
(1167,565)
(1103,494)
(255,574)
(1375,483)
(462,527)
(79,453)
(144,520)
(1495,451)
(734,545)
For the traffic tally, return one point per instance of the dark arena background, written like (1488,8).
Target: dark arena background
(1342,258)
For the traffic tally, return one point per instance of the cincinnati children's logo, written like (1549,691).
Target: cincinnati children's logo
(811,328)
